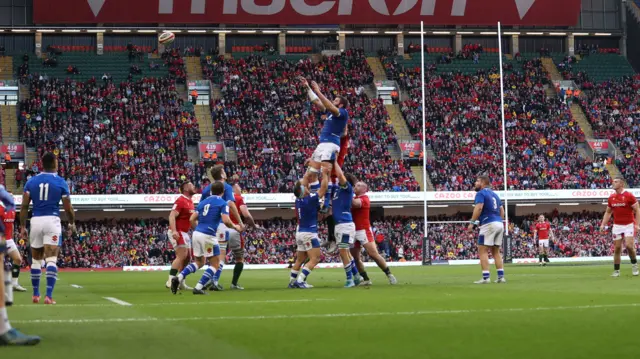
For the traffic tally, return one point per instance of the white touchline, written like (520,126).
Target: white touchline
(330,315)
(76,286)
(30,306)
(118,301)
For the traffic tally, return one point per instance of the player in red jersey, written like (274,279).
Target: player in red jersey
(543,233)
(360,210)
(626,222)
(178,233)
(236,244)
(9,218)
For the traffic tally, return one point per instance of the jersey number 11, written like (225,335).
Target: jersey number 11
(44,191)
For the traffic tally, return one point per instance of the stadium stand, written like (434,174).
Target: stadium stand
(464,131)
(127,138)
(271,124)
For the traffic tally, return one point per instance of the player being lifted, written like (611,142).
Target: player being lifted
(626,224)
(178,233)
(308,244)
(488,212)
(225,234)
(210,213)
(8,216)
(360,209)
(543,233)
(333,140)
(46,190)
(236,243)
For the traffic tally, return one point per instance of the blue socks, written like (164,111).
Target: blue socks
(206,277)
(36,272)
(354,268)
(486,275)
(501,273)
(52,277)
(191,268)
(348,271)
(216,277)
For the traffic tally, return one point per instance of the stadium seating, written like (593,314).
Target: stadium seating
(266,117)
(463,127)
(597,67)
(612,109)
(112,139)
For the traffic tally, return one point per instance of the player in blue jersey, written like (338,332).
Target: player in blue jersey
(345,230)
(488,213)
(308,244)
(210,214)
(46,190)
(333,129)
(9,335)
(224,234)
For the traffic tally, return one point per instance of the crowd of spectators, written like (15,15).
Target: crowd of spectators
(119,242)
(265,115)
(613,108)
(112,139)
(122,242)
(463,129)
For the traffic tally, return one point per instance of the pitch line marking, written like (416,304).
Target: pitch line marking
(76,286)
(118,301)
(320,316)
(183,303)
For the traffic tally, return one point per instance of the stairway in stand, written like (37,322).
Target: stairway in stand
(9,122)
(376,67)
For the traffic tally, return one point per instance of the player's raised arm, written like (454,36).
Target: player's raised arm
(229,223)
(324,186)
(325,101)
(342,179)
(247,215)
(312,96)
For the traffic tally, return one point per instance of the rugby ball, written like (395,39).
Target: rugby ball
(166,38)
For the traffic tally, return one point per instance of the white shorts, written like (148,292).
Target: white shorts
(364,236)
(491,234)
(621,231)
(345,234)
(325,152)
(45,230)
(226,235)
(183,242)
(306,241)
(11,246)
(543,243)
(205,245)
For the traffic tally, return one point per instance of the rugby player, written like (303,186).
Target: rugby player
(543,233)
(178,233)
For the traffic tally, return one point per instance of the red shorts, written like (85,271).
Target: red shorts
(344,150)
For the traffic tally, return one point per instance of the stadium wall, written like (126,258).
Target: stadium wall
(69,40)
(123,40)
(535,43)
(430,41)
(315,42)
(633,39)
(250,40)
(18,44)
(371,44)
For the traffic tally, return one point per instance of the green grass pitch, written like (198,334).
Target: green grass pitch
(435,312)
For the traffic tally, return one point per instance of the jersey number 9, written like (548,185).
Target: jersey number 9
(206,209)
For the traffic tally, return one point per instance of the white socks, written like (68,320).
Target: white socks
(4,321)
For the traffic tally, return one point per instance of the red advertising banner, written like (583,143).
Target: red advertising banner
(309,12)
(599,146)
(15,150)
(211,151)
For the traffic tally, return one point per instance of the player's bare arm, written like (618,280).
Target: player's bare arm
(356,203)
(477,211)
(194,220)
(233,210)
(247,216)
(172,224)
(24,212)
(312,96)
(342,180)
(324,186)
(227,222)
(605,219)
(636,212)
(68,208)
(325,101)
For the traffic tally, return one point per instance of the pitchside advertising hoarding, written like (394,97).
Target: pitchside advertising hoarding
(401,198)
(433,12)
